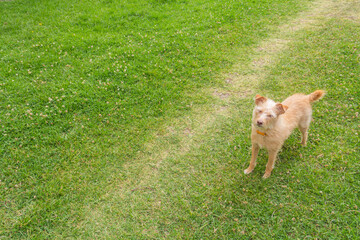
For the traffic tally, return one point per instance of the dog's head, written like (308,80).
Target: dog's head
(266,112)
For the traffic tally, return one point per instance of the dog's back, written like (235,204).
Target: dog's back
(300,98)
(299,108)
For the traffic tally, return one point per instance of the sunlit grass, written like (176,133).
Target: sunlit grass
(86,86)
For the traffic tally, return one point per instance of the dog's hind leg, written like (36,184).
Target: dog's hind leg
(304,135)
(304,127)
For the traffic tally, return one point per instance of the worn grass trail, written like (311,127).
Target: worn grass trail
(85,84)
(189,182)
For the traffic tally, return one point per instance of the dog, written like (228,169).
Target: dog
(272,124)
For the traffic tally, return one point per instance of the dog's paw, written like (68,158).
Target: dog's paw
(266,175)
(248,170)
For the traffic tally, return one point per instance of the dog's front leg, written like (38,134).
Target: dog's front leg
(254,154)
(271,163)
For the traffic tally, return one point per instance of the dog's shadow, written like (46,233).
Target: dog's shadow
(291,153)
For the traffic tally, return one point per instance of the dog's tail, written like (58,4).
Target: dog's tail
(318,94)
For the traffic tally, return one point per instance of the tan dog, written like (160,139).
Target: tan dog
(273,123)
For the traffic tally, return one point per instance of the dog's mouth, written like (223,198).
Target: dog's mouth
(259,126)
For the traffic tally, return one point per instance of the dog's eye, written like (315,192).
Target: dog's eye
(259,111)
(269,116)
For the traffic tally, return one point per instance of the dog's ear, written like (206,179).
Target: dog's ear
(260,99)
(280,109)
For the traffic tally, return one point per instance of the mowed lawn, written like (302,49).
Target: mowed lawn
(88,87)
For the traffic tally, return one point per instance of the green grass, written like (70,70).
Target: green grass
(94,97)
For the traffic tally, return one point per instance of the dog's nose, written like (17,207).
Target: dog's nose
(260,123)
